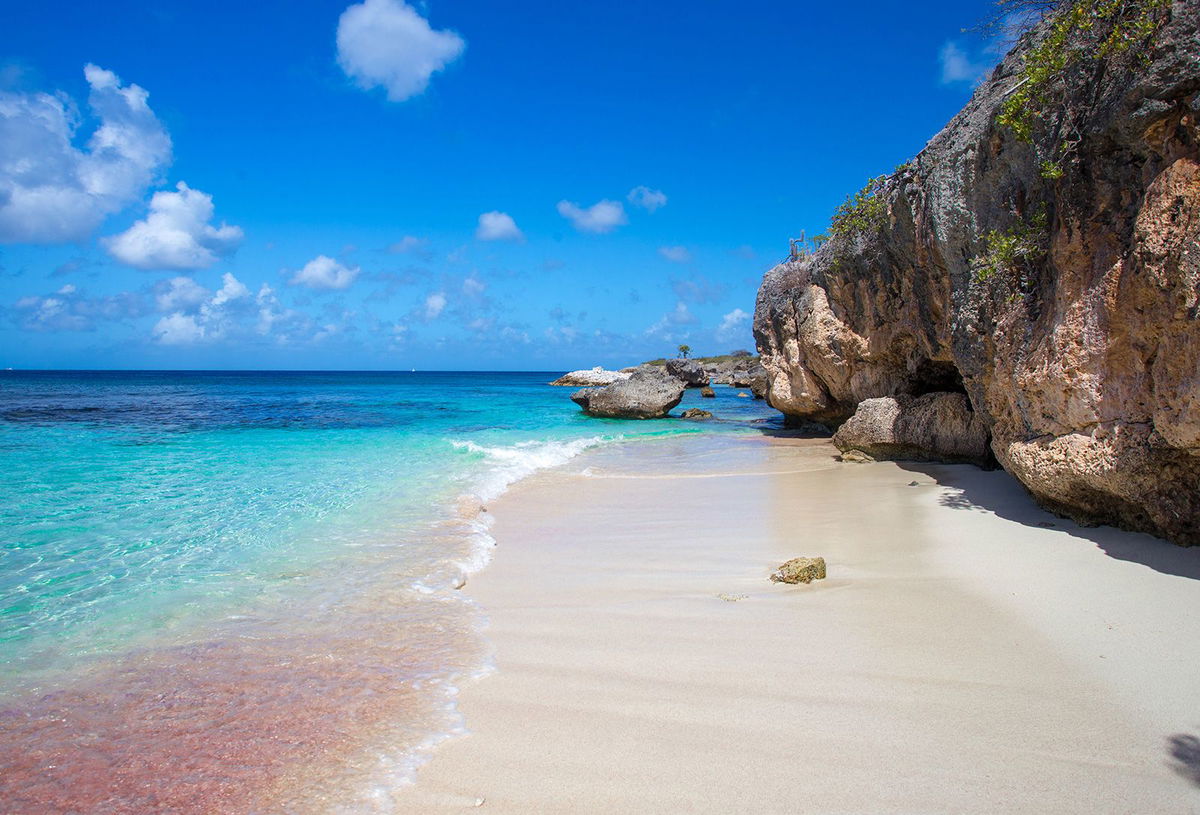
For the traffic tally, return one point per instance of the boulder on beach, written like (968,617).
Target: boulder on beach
(708,393)
(933,427)
(646,394)
(800,570)
(696,413)
(592,378)
(688,371)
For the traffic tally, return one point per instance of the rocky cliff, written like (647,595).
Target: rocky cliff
(1041,256)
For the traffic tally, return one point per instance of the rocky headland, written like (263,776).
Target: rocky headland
(1034,274)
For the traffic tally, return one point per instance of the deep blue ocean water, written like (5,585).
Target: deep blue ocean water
(141,511)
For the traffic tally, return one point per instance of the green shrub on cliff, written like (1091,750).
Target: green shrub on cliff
(865,211)
(1085,30)
(1010,255)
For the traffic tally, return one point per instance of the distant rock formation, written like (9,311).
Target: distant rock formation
(646,394)
(1041,258)
(593,378)
(688,371)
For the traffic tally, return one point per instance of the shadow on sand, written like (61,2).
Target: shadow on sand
(1185,756)
(976,490)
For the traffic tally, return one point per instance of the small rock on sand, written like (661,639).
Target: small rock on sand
(856,457)
(800,570)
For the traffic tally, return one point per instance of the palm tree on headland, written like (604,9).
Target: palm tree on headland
(684,350)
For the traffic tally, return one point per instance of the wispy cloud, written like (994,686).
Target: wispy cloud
(71,309)
(435,303)
(959,66)
(675,254)
(646,198)
(601,217)
(733,325)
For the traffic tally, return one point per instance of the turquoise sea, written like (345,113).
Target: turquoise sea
(246,580)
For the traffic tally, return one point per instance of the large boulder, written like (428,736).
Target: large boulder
(1056,281)
(934,427)
(755,378)
(688,371)
(594,378)
(644,395)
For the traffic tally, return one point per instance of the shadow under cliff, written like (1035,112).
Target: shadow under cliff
(1184,749)
(998,492)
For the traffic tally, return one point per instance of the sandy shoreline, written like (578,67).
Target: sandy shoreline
(959,658)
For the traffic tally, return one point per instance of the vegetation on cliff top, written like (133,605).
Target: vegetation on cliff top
(1082,32)
(862,212)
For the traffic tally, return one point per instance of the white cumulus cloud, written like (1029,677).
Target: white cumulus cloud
(52,191)
(601,217)
(178,329)
(647,198)
(387,43)
(675,254)
(179,293)
(324,272)
(176,234)
(198,314)
(497,226)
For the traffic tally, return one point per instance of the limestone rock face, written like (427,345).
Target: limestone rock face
(1052,282)
(593,378)
(934,427)
(646,394)
(688,371)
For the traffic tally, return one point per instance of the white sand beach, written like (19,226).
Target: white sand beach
(968,652)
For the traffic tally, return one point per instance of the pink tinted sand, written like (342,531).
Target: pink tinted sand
(967,654)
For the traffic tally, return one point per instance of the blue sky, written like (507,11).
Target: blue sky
(455,185)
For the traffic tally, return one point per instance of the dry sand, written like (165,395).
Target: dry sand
(960,657)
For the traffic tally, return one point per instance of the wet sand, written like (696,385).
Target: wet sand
(968,652)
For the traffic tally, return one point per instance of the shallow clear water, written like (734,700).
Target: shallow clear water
(255,571)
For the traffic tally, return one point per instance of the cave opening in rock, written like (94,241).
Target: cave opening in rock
(932,376)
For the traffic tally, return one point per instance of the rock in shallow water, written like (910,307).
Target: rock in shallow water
(708,393)
(800,570)
(696,413)
(593,378)
(646,394)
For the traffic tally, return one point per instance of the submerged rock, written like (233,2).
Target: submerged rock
(800,570)
(688,371)
(592,378)
(696,413)
(934,427)
(646,394)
